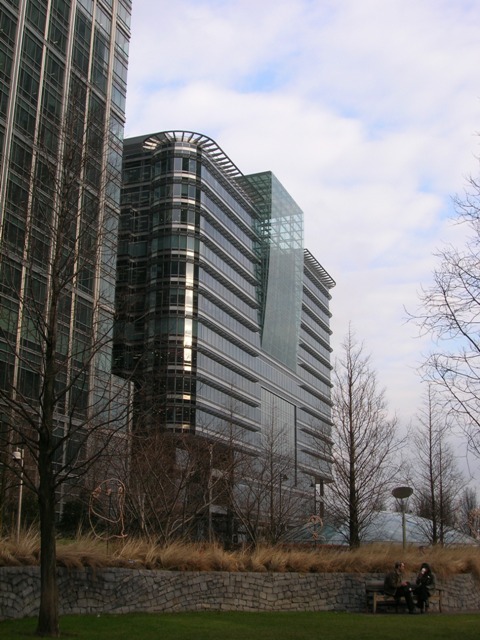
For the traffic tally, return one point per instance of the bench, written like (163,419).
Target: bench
(376,598)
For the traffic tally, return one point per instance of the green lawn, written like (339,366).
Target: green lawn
(256,626)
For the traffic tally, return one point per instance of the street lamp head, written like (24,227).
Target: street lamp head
(17,455)
(402,492)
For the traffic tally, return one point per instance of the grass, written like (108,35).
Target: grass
(253,626)
(87,551)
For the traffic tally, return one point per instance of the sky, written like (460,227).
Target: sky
(367,111)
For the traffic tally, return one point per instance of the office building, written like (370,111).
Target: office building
(63,68)
(223,315)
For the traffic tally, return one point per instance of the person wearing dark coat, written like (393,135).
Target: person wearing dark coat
(425,585)
(395,585)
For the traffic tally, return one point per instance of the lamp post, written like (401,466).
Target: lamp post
(18,456)
(402,493)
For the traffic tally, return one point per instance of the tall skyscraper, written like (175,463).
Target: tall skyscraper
(63,69)
(223,315)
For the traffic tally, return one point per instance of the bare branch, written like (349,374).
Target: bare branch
(365,443)
(450,313)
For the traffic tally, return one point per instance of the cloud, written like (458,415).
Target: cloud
(366,111)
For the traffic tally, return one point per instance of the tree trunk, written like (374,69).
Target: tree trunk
(48,613)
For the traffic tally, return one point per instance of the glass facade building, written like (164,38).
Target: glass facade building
(223,315)
(63,68)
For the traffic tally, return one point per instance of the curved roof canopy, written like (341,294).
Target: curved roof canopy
(199,140)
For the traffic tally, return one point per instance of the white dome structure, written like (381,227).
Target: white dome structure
(385,526)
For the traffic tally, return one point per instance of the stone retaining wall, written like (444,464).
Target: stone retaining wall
(139,590)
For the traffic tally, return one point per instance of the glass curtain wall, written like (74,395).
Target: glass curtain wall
(63,67)
(281,250)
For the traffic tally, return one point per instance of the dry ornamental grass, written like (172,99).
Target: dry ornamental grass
(86,551)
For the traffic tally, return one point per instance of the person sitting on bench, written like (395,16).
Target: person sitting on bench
(395,585)
(425,586)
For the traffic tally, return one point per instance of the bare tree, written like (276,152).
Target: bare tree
(175,483)
(179,485)
(436,478)
(60,403)
(267,499)
(468,513)
(365,443)
(450,313)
